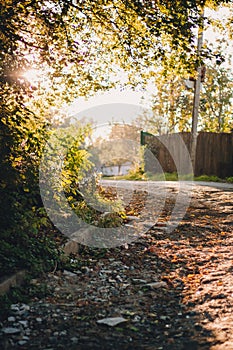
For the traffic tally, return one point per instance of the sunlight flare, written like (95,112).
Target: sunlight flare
(32,75)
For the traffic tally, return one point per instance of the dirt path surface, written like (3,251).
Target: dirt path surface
(167,290)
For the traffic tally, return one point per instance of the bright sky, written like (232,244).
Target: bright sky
(114,96)
(221,14)
(106,108)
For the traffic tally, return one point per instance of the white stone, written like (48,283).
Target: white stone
(156,285)
(69,273)
(11,319)
(112,321)
(74,340)
(22,342)
(24,323)
(11,330)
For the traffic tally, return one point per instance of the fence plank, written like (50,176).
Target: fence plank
(214,153)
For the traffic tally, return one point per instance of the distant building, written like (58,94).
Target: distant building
(116,170)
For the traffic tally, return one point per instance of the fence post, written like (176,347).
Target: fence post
(197,90)
(142,138)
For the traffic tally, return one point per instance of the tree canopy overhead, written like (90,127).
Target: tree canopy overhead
(78,37)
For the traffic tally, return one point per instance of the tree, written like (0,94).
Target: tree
(121,146)
(216,109)
(125,132)
(173,103)
(170,106)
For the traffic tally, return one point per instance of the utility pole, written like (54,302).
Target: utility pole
(197,90)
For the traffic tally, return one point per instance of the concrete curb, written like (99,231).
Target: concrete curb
(71,247)
(14,280)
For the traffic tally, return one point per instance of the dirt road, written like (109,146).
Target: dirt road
(168,290)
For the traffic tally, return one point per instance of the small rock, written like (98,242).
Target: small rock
(11,330)
(11,319)
(138,281)
(130,217)
(23,309)
(74,340)
(163,318)
(23,323)
(38,319)
(106,271)
(112,321)
(155,285)
(178,335)
(106,213)
(26,338)
(69,273)
(22,342)
(34,281)
(119,278)
(15,307)
(85,269)
(111,280)
(116,263)
(63,333)
(136,318)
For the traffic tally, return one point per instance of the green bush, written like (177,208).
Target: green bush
(36,248)
(28,240)
(208,178)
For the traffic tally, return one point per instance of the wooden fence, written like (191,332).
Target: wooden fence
(170,153)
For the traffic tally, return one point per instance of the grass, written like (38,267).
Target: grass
(169,177)
(208,178)
(230,179)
